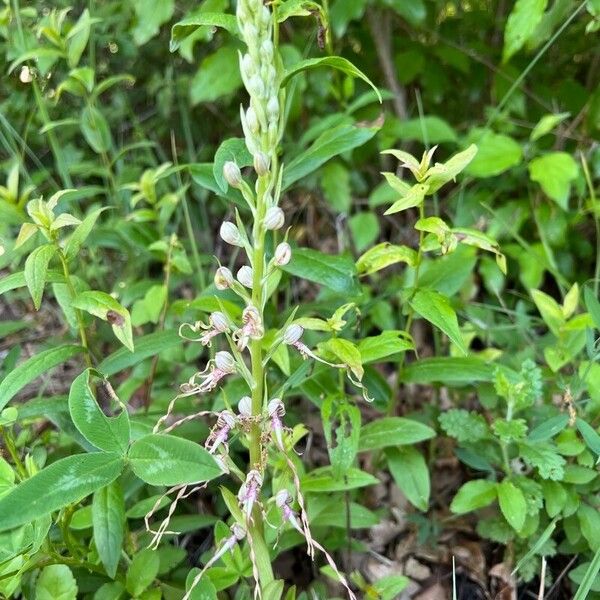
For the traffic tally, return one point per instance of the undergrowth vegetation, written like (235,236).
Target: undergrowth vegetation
(299,299)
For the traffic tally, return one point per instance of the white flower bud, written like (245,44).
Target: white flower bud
(261,163)
(276,406)
(223,278)
(245,406)
(274,218)
(252,120)
(228,418)
(231,234)
(256,86)
(282,498)
(248,66)
(292,334)
(273,108)
(232,174)
(265,16)
(219,321)
(26,74)
(245,275)
(224,361)
(283,254)
(266,50)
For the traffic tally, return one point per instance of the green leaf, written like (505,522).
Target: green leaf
(81,232)
(334,62)
(78,37)
(29,370)
(364,227)
(204,590)
(217,76)
(385,345)
(442,173)
(435,307)
(142,571)
(110,434)
(448,370)
(428,129)
(183,29)
(544,458)
(589,521)
(473,495)
(463,425)
(413,197)
(589,435)
(114,590)
(150,16)
(347,353)
(382,256)
(105,307)
(550,310)
(56,582)
(335,181)
(323,480)
(411,474)
(36,268)
(145,347)
(64,482)
(168,460)
(546,124)
(589,578)
(233,149)
(512,504)
(108,518)
(414,11)
(17,280)
(496,153)
(393,431)
(554,172)
(335,272)
(521,24)
(390,586)
(95,130)
(329,144)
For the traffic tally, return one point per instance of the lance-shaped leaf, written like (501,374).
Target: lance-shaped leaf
(183,29)
(442,173)
(413,197)
(382,256)
(36,268)
(108,519)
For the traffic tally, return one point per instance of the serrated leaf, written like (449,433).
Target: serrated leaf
(435,307)
(168,460)
(36,268)
(64,482)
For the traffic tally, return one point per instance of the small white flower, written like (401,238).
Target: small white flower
(274,219)
(292,334)
(231,234)
(261,163)
(273,108)
(245,276)
(283,254)
(245,406)
(223,278)
(252,120)
(219,321)
(232,174)
(224,362)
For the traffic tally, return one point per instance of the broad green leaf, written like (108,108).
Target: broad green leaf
(546,124)
(341,426)
(168,460)
(589,581)
(329,144)
(345,352)
(590,435)
(378,347)
(473,495)
(521,24)
(554,172)
(393,431)
(429,129)
(555,497)
(297,8)
(414,11)
(335,181)
(105,307)
(81,232)
(78,37)
(108,517)
(110,434)
(383,255)
(204,590)
(25,233)
(442,173)
(512,504)
(56,582)
(332,516)
(335,272)
(323,480)
(550,310)
(334,62)
(448,370)
(217,76)
(95,130)
(145,347)
(142,571)
(548,428)
(364,227)
(390,586)
(411,474)
(114,590)
(150,16)
(435,307)
(413,197)
(36,268)
(589,521)
(496,153)
(29,370)
(182,29)
(64,482)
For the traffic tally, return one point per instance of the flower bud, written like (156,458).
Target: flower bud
(276,406)
(292,334)
(224,361)
(282,498)
(266,51)
(252,120)
(256,86)
(245,275)
(248,66)
(232,174)
(274,219)
(283,254)
(261,163)
(238,531)
(223,278)
(219,321)
(273,108)
(26,74)
(231,234)
(245,406)
(228,418)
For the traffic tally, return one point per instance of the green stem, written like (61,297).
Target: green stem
(78,315)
